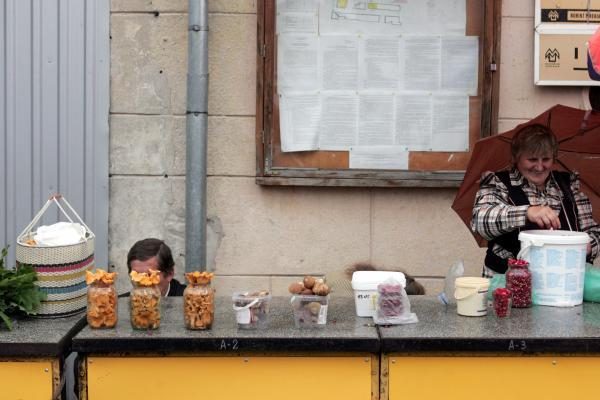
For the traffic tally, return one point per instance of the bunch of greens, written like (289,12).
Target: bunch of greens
(18,293)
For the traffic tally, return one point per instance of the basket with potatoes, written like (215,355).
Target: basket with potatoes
(310,298)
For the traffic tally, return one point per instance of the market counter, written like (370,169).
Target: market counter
(32,355)
(540,352)
(339,360)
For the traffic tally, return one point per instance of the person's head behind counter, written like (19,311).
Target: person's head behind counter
(534,150)
(154,254)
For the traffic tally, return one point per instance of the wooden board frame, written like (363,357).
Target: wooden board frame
(329,168)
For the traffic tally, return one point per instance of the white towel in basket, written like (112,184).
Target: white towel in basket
(60,234)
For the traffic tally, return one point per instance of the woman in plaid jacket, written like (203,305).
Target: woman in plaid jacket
(530,196)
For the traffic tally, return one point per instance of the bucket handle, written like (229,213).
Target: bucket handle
(54,199)
(526,244)
(468,294)
(247,306)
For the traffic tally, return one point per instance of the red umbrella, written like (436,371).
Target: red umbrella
(578,134)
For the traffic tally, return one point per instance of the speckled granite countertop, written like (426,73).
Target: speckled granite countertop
(535,330)
(531,330)
(39,337)
(344,332)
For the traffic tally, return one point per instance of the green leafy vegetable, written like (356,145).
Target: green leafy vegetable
(18,293)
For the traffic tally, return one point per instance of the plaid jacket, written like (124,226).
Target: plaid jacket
(494,215)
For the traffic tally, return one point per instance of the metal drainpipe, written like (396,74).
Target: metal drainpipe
(196,133)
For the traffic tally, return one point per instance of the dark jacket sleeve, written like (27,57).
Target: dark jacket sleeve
(176,288)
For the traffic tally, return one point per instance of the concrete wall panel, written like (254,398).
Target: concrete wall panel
(232,64)
(148,63)
(508,124)
(280,284)
(287,230)
(231,146)
(232,6)
(225,285)
(149,5)
(147,145)
(214,6)
(416,230)
(519,97)
(518,8)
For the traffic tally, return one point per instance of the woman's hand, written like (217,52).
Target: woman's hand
(544,216)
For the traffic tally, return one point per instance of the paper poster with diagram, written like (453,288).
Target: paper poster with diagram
(375,75)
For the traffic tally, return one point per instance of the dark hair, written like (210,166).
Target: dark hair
(145,249)
(412,286)
(536,139)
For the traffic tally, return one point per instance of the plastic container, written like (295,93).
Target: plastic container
(251,309)
(310,311)
(364,285)
(557,264)
(471,296)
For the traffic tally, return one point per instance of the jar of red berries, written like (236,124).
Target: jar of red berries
(502,302)
(518,281)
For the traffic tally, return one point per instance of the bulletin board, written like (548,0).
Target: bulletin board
(326,167)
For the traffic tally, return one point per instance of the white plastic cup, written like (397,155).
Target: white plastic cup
(471,296)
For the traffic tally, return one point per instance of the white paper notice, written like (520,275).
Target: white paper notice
(413,121)
(460,62)
(427,17)
(380,67)
(338,127)
(433,17)
(297,63)
(445,16)
(379,73)
(310,6)
(299,125)
(339,58)
(358,17)
(422,62)
(375,120)
(378,157)
(450,123)
(297,23)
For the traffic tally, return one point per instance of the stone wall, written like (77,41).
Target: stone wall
(262,237)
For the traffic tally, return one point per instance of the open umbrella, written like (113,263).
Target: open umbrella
(578,134)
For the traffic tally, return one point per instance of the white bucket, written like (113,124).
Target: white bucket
(471,296)
(557,264)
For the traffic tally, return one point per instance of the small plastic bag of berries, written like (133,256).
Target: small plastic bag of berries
(393,305)
(502,302)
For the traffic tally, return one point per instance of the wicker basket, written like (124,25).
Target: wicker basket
(60,269)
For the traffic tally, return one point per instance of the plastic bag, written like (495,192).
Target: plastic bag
(456,270)
(497,281)
(591,284)
(393,306)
